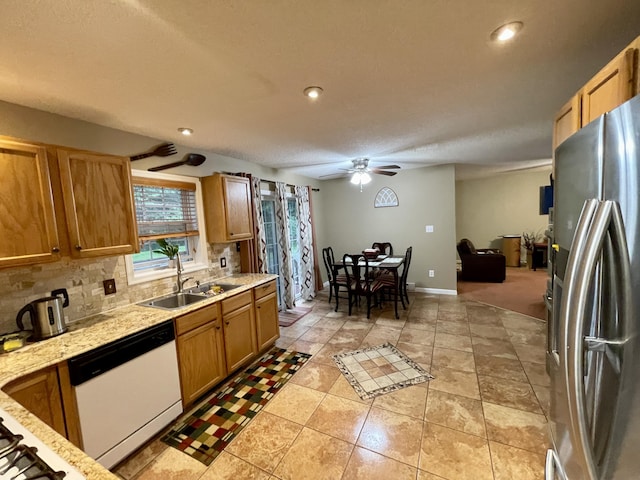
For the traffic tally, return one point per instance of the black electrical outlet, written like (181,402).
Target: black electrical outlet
(109,286)
(223,262)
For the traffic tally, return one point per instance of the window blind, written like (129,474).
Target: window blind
(165,208)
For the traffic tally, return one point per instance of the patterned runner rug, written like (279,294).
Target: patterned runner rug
(208,428)
(286,318)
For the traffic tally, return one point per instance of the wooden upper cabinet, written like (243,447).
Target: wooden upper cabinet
(27,216)
(98,200)
(567,121)
(227,206)
(616,83)
(612,86)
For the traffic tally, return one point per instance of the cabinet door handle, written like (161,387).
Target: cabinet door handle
(226,323)
(55,250)
(78,247)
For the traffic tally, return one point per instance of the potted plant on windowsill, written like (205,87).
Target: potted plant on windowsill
(168,249)
(528,239)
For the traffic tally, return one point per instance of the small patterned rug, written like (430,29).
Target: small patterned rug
(377,370)
(287,318)
(208,428)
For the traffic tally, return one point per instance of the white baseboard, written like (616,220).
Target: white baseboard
(437,291)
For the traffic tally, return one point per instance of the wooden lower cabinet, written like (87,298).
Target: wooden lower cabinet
(200,352)
(39,392)
(201,360)
(239,336)
(266,308)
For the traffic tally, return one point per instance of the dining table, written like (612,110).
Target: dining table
(390,263)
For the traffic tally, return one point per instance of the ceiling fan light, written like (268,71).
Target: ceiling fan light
(360,178)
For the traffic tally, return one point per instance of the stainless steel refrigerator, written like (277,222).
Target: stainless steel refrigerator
(593,350)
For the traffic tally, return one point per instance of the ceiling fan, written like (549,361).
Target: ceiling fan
(360,173)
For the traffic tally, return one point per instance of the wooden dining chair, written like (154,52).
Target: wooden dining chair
(360,283)
(385,248)
(404,294)
(388,279)
(336,279)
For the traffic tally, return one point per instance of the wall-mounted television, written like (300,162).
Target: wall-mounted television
(546,199)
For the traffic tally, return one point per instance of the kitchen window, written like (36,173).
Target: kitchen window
(167,206)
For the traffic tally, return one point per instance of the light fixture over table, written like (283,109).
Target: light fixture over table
(360,175)
(360,178)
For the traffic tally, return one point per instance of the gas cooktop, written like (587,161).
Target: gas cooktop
(24,457)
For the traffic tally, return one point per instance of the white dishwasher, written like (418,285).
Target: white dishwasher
(127,391)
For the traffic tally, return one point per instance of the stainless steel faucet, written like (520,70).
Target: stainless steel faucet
(179,280)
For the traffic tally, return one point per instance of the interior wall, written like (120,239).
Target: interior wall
(504,204)
(39,126)
(426,197)
(83,278)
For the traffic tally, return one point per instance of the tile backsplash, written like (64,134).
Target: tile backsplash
(83,281)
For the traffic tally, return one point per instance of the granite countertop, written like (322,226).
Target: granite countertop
(83,336)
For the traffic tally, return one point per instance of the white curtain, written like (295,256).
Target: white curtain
(306,243)
(284,246)
(258,223)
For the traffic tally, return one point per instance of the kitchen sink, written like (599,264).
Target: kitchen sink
(175,300)
(206,287)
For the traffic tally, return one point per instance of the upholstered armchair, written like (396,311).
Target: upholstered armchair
(481,265)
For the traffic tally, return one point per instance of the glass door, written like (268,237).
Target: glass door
(294,242)
(271,236)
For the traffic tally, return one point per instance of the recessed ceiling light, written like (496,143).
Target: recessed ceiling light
(506,32)
(313,92)
(186,131)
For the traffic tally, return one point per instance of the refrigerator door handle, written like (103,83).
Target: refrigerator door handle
(573,262)
(553,467)
(596,344)
(607,219)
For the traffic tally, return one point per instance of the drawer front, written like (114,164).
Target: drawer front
(188,322)
(264,290)
(233,303)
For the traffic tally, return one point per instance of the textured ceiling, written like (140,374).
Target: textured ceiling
(413,82)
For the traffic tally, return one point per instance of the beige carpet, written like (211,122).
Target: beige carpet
(521,292)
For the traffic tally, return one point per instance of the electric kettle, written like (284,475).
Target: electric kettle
(47,318)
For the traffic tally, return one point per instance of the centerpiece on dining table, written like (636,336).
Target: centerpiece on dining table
(371,253)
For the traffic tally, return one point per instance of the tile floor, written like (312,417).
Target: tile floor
(482,417)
